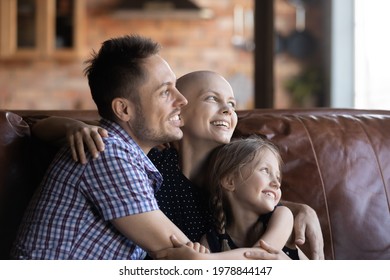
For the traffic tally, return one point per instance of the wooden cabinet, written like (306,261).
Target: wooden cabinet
(39,29)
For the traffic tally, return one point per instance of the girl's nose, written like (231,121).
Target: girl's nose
(275,183)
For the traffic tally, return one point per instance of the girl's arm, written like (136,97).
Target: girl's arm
(307,226)
(279,227)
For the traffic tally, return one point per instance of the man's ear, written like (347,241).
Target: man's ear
(227,183)
(122,108)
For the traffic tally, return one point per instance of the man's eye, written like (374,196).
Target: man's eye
(165,93)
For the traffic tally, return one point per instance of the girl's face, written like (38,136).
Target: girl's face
(257,189)
(210,114)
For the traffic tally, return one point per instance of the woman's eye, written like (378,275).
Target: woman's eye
(212,98)
(165,93)
(232,104)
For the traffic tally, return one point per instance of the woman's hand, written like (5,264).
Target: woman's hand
(79,135)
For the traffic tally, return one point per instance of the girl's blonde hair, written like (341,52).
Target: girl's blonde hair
(228,160)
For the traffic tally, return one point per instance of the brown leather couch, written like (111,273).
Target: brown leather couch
(337,161)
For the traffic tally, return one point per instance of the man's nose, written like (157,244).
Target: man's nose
(180,99)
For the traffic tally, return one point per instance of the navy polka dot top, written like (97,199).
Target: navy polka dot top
(179,199)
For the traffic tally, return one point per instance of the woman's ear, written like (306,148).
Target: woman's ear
(227,183)
(122,108)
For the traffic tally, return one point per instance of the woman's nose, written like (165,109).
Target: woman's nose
(227,109)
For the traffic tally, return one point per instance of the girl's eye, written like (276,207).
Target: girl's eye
(265,170)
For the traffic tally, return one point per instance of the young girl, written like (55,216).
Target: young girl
(244,193)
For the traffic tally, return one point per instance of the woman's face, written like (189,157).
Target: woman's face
(210,114)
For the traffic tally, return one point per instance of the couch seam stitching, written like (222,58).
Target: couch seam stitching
(300,119)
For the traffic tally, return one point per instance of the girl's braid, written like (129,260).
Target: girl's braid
(220,218)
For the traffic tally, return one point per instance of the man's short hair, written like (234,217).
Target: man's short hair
(117,71)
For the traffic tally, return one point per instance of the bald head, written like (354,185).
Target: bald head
(194,83)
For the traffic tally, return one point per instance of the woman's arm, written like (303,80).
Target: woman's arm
(75,132)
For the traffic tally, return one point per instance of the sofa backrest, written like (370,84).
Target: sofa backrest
(336,161)
(23,161)
(15,184)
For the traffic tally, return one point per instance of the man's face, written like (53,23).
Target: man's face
(157,119)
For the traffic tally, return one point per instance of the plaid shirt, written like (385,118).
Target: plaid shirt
(69,217)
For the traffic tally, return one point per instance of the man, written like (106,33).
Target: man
(106,209)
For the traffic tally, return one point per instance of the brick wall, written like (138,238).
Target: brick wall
(188,45)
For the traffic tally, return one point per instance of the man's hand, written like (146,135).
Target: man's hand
(79,134)
(266,252)
(189,251)
(307,226)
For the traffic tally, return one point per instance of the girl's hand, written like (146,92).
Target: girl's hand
(266,252)
(189,251)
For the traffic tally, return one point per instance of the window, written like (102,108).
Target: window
(41,28)
(372,54)
(360,54)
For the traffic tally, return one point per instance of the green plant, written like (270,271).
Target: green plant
(304,86)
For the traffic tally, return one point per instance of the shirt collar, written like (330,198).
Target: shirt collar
(115,130)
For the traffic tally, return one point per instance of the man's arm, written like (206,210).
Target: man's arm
(155,233)
(149,230)
(181,252)
(278,231)
(307,225)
